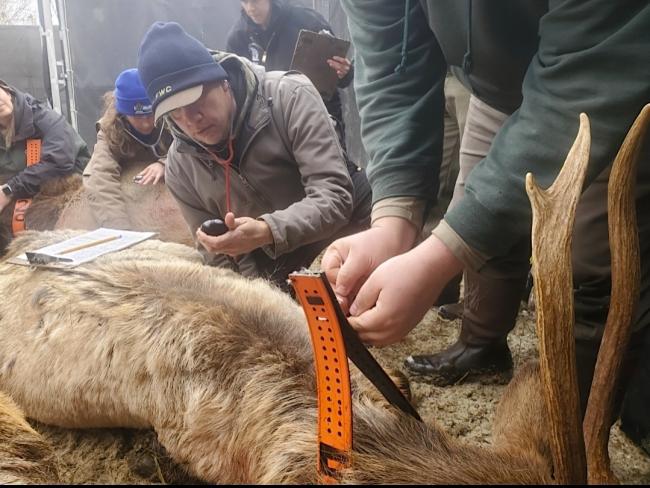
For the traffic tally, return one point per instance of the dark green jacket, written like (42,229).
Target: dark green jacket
(592,56)
(62,149)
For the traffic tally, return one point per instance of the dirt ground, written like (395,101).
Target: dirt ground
(465,410)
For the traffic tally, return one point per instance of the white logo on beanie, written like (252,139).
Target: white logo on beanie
(141,109)
(163,91)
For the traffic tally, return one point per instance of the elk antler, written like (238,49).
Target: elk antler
(624,247)
(553,217)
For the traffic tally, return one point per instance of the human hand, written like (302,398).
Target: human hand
(400,291)
(348,262)
(340,65)
(152,174)
(245,234)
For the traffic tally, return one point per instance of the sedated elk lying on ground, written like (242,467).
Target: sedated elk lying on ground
(63,204)
(221,367)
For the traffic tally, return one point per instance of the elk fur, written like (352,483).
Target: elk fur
(25,457)
(63,204)
(219,365)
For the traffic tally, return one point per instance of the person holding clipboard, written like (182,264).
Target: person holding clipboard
(267,33)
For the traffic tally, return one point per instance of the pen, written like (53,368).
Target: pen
(89,244)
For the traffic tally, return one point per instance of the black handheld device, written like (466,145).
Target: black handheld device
(214,227)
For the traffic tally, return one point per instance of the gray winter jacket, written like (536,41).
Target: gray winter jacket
(289,169)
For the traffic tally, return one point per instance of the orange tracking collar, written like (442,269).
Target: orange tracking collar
(332,375)
(32,156)
(334,341)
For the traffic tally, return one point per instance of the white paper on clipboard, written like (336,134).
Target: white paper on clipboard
(90,246)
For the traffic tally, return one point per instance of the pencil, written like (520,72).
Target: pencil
(89,244)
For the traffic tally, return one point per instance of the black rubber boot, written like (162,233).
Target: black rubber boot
(463,360)
(488,311)
(451,311)
(635,421)
(450,293)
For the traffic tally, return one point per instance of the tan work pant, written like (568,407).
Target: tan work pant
(456,106)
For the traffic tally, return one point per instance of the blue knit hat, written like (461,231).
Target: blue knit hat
(130,96)
(174,66)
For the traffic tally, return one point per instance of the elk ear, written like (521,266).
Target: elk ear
(553,217)
(624,250)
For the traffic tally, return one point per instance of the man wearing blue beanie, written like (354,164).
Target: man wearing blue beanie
(255,149)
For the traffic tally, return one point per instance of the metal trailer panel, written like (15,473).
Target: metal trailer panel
(105,35)
(21,59)
(332,10)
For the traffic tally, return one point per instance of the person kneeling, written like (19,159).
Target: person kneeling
(125,135)
(255,149)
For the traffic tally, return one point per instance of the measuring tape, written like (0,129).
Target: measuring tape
(32,156)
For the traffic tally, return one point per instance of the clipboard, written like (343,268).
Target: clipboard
(81,248)
(310,58)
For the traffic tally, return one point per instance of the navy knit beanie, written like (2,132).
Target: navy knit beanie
(130,96)
(173,67)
